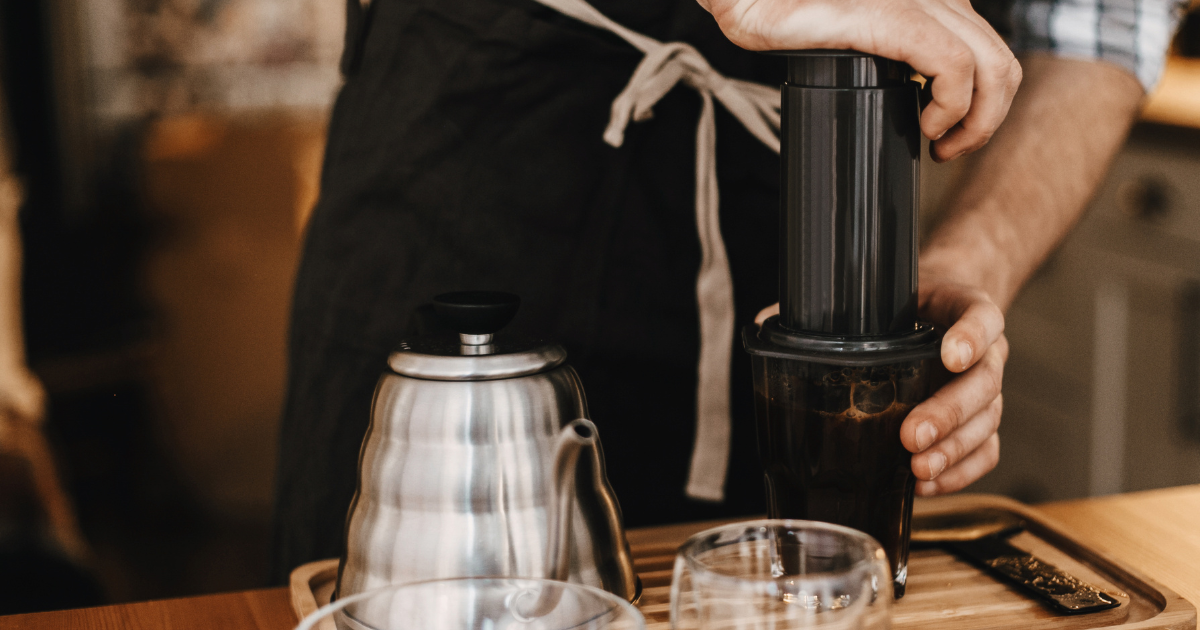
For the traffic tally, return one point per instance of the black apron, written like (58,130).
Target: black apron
(465,151)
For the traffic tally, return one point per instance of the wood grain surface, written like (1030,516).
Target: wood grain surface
(945,592)
(265,609)
(1155,534)
(1158,532)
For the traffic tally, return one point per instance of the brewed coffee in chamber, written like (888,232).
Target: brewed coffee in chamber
(829,441)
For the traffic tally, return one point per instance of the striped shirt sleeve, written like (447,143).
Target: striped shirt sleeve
(1134,34)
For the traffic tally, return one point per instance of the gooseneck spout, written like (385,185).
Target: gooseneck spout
(572,440)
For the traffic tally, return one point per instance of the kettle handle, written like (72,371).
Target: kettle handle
(572,440)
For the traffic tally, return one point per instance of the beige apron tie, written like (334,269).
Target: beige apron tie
(757,107)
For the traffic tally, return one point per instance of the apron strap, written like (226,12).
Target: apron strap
(757,107)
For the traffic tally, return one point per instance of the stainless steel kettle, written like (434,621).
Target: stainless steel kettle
(480,461)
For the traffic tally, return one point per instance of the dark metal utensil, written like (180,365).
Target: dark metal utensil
(982,538)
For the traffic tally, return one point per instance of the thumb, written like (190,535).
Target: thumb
(770,311)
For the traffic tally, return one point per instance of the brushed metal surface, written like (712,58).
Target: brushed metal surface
(458,478)
(437,359)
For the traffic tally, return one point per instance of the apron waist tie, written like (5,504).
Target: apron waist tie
(757,107)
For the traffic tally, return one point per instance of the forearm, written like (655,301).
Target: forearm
(1019,196)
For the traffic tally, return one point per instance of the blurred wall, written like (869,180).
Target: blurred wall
(229,198)
(1102,385)
(173,151)
(230,99)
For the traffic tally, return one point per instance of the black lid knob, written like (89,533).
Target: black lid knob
(476,312)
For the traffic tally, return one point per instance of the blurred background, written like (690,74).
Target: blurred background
(170,150)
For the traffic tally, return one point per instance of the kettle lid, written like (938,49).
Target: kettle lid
(477,355)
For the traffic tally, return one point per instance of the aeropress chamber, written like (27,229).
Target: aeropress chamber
(837,371)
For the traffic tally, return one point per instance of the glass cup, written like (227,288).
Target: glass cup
(479,604)
(781,575)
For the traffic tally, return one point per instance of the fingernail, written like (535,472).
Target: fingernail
(965,353)
(937,463)
(939,136)
(926,434)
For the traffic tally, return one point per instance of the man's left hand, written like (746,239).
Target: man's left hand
(953,433)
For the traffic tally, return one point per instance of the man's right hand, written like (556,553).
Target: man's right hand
(974,73)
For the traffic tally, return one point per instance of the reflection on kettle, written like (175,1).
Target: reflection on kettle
(479,461)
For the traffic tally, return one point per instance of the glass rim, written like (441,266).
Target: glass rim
(311,620)
(874,549)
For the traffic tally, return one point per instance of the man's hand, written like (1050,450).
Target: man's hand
(973,71)
(953,433)
(1015,201)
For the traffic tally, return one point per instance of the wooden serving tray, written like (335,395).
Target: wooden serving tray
(944,592)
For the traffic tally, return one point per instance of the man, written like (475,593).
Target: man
(465,151)
(1086,67)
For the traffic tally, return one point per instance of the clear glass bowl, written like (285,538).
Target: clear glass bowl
(781,575)
(479,604)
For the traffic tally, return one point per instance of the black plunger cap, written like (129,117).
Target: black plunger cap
(476,312)
(843,69)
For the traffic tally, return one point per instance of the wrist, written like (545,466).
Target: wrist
(971,256)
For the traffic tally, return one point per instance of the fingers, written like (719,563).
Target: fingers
(952,451)
(770,311)
(973,72)
(976,75)
(952,406)
(997,75)
(953,433)
(975,323)
(971,468)
(980,328)
(918,38)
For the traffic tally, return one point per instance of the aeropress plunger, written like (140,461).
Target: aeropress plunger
(837,371)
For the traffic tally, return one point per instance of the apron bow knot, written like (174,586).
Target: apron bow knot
(665,65)
(657,74)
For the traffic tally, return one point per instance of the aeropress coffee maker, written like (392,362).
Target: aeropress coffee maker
(837,371)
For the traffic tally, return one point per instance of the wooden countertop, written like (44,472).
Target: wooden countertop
(1176,101)
(263,609)
(1156,532)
